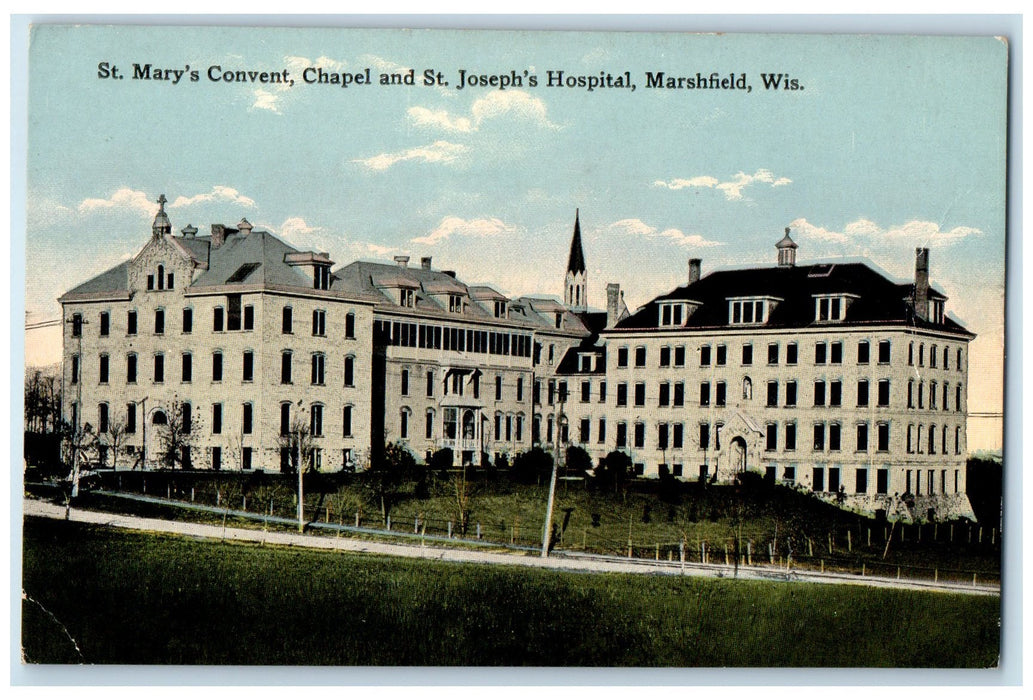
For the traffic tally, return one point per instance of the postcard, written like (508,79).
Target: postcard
(355,347)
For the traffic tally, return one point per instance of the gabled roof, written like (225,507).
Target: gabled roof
(879,300)
(113,281)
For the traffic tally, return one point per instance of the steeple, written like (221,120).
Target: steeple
(161,224)
(575,283)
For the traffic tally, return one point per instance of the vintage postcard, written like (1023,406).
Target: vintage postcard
(511,348)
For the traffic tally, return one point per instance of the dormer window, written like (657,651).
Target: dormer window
(936,310)
(830,308)
(321,277)
(673,313)
(406,298)
(750,310)
(500,309)
(455,303)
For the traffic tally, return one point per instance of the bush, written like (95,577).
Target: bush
(532,466)
(614,471)
(579,462)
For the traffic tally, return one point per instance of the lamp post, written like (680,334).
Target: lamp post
(560,418)
(77,322)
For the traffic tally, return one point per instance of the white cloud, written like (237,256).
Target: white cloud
(455,226)
(123,199)
(219,193)
(865,231)
(295,227)
(637,227)
(266,100)
(437,152)
(383,65)
(494,105)
(732,189)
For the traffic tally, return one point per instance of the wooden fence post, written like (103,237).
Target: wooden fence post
(356,518)
(849,542)
(191,494)
(389,522)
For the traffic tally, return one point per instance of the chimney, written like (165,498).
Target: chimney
(244,227)
(402,260)
(190,231)
(922,283)
(694,270)
(613,296)
(218,235)
(425,262)
(450,273)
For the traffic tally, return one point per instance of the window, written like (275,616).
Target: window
(835,431)
(287,322)
(819,437)
(884,392)
(884,352)
(836,353)
(704,394)
(216,458)
(932,357)
(791,353)
(584,430)
(790,436)
(772,353)
(77,325)
(75,369)
(836,393)
(249,318)
(406,298)
(921,354)
(791,393)
(771,437)
(622,435)
(820,353)
(747,355)
(932,439)
(349,325)
(233,312)
(679,436)
(321,277)
(171,278)
(883,437)
(130,418)
(245,458)
(285,418)
(102,418)
(247,419)
(349,370)
(957,364)
(285,367)
(679,356)
(586,391)
(861,481)
(863,352)
(319,369)
(249,366)
(819,393)
(105,323)
(722,355)
(679,394)
(640,394)
(747,389)
(772,393)
(911,354)
(403,423)
(161,277)
(665,394)
(932,395)
(428,424)
(103,369)
(742,311)
(319,322)
(601,433)
(665,356)
(430,384)
(622,357)
(910,393)
(672,314)
(829,308)
(704,436)
(216,418)
(159,369)
(704,356)
(347,421)
(316,420)
(498,387)
(957,398)
(159,321)
(218,315)
(946,395)
(622,394)
(130,368)
(882,480)
(862,392)
(188,367)
(720,393)
(640,356)
(130,323)
(862,437)
(957,443)
(185,410)
(188,320)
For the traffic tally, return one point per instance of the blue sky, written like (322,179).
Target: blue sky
(893,143)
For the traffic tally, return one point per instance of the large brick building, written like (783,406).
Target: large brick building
(826,376)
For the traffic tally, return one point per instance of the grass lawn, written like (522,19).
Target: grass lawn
(137,598)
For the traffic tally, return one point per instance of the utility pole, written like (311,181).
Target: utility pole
(143,425)
(77,328)
(299,427)
(547,535)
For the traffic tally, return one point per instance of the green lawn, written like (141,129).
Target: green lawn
(137,598)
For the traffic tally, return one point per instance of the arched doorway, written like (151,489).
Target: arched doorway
(739,454)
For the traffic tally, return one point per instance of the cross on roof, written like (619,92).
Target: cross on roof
(161,201)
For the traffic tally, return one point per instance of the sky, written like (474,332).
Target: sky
(892,143)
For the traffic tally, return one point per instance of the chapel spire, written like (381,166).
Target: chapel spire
(575,284)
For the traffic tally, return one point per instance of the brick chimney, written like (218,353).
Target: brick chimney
(922,283)
(218,235)
(425,262)
(402,260)
(613,296)
(695,266)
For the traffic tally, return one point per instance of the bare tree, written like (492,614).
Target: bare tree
(298,444)
(176,435)
(116,439)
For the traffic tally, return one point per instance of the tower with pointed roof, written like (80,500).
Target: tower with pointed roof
(786,251)
(575,282)
(161,225)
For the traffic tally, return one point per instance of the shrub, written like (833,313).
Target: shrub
(532,466)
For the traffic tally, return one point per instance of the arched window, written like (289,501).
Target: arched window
(429,426)
(932,439)
(911,353)
(403,422)
(285,418)
(347,432)
(349,370)
(161,277)
(102,418)
(316,420)
(349,325)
